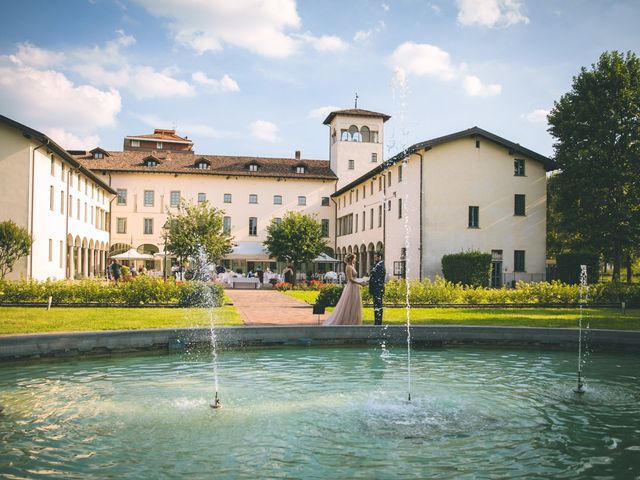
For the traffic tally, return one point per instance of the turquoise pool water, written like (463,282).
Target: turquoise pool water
(323,413)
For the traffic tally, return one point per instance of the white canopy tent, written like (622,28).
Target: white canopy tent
(252,251)
(324,258)
(132,254)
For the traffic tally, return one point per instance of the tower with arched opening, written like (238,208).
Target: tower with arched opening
(356,139)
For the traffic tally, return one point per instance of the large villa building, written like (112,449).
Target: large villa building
(470,190)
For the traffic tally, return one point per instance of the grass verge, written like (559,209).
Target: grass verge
(39,320)
(601,318)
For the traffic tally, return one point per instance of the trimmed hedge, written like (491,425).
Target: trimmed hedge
(569,267)
(141,291)
(329,295)
(467,268)
(441,291)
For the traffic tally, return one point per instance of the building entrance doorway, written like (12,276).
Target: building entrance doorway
(496,268)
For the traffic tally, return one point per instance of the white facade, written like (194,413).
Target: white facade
(62,205)
(241,198)
(450,195)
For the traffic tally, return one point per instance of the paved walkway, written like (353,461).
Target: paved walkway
(270,307)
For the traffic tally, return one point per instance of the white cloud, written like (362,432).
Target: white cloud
(491,13)
(428,60)
(385,7)
(475,88)
(264,130)
(537,116)
(435,8)
(363,36)
(325,43)
(225,84)
(145,82)
(322,112)
(49,98)
(260,27)
(69,141)
(424,59)
(32,56)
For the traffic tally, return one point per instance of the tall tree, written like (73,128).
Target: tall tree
(196,227)
(15,243)
(597,131)
(296,239)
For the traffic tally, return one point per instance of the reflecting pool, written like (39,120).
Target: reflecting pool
(323,413)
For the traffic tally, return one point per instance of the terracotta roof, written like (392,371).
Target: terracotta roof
(185,162)
(162,134)
(355,112)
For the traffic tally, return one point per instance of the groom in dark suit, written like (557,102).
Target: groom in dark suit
(376,287)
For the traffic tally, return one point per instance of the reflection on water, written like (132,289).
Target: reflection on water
(323,413)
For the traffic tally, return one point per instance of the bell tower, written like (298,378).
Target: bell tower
(356,139)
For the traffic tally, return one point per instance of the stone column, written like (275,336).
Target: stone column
(70,262)
(90,262)
(84,259)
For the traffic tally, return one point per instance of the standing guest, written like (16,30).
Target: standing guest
(348,311)
(376,287)
(287,274)
(116,270)
(260,275)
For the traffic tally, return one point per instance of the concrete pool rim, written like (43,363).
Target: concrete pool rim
(109,342)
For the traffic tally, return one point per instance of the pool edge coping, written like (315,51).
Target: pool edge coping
(107,342)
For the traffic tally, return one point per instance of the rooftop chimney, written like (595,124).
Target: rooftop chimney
(297,154)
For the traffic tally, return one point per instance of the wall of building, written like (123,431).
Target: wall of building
(356,202)
(214,187)
(458,175)
(403,227)
(43,184)
(15,152)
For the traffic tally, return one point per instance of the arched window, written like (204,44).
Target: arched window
(300,169)
(203,165)
(344,135)
(150,162)
(253,167)
(354,133)
(366,137)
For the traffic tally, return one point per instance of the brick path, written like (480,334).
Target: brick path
(269,307)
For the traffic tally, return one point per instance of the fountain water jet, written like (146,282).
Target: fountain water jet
(584,295)
(202,270)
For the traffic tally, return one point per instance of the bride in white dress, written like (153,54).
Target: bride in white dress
(348,311)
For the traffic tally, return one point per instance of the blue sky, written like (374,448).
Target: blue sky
(250,77)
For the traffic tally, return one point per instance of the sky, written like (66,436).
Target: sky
(258,77)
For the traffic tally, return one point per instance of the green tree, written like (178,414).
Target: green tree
(296,239)
(559,240)
(15,243)
(597,147)
(194,227)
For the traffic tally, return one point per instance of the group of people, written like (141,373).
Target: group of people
(348,311)
(114,272)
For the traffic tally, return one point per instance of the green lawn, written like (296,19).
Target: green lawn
(605,318)
(38,320)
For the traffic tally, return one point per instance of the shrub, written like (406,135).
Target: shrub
(329,295)
(139,291)
(569,266)
(200,294)
(467,268)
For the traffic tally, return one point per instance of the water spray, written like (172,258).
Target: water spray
(583,287)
